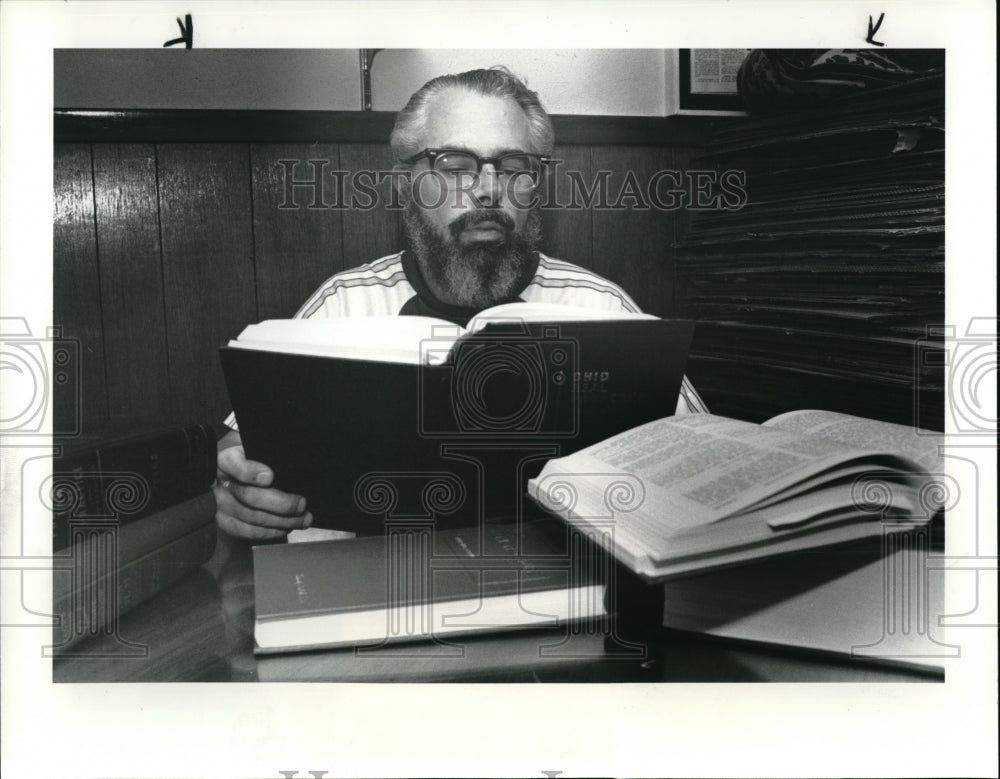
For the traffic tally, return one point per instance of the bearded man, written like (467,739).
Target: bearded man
(470,149)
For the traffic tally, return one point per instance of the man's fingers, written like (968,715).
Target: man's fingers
(251,516)
(228,507)
(233,463)
(247,506)
(235,527)
(268,499)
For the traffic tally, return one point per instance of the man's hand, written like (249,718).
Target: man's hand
(247,505)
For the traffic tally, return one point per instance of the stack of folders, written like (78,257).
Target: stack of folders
(825,283)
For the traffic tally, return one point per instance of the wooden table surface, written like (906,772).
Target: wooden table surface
(201,630)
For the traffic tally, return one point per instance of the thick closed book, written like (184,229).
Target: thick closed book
(374,417)
(524,655)
(131,478)
(88,602)
(414,583)
(881,602)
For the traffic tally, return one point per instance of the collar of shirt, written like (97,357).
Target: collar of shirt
(426,303)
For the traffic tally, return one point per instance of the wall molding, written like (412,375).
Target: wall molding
(256,126)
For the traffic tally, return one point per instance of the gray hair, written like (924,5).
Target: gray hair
(494,82)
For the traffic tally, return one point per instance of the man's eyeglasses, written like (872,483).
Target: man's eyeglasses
(519,168)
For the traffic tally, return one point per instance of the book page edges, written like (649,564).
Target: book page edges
(520,610)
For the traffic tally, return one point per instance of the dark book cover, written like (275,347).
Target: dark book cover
(365,440)
(132,478)
(135,539)
(412,580)
(89,598)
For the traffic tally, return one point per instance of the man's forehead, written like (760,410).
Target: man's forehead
(483,123)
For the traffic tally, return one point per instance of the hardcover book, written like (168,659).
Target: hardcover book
(860,601)
(348,411)
(95,588)
(523,655)
(131,478)
(415,583)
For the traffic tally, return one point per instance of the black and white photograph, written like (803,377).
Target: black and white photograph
(444,389)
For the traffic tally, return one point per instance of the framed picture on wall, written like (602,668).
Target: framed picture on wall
(708,79)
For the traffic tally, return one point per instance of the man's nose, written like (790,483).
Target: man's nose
(488,190)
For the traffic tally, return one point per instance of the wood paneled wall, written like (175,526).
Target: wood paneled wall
(165,250)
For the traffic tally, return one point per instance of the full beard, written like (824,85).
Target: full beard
(481,274)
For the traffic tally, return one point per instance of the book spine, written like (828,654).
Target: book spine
(93,609)
(143,536)
(131,479)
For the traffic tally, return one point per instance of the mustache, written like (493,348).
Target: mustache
(479,216)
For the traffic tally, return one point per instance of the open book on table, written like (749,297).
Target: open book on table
(343,408)
(689,493)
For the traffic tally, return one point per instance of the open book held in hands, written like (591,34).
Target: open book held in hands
(695,492)
(417,340)
(373,416)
